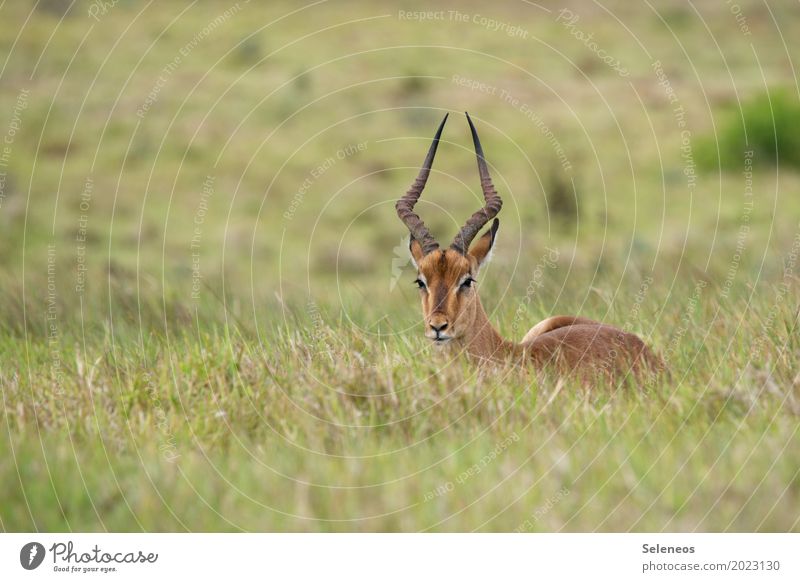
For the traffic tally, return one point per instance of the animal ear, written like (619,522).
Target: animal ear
(482,248)
(416,251)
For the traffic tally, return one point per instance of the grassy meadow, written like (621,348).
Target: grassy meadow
(207,316)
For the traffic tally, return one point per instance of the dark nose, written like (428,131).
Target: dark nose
(440,327)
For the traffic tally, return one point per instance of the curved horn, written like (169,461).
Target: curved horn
(493,202)
(405,206)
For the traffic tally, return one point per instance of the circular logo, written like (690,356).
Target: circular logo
(31,555)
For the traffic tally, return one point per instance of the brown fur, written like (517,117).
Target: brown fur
(565,343)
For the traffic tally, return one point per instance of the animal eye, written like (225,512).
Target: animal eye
(420,283)
(467,283)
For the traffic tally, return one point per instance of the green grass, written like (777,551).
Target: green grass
(290,388)
(762,128)
(315,425)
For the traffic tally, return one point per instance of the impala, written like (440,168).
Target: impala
(452,311)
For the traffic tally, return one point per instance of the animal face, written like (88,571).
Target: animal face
(446,278)
(447,287)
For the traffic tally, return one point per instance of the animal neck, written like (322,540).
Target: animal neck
(483,341)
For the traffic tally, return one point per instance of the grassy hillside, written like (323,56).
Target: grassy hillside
(207,320)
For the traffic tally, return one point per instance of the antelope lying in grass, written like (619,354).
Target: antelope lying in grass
(453,312)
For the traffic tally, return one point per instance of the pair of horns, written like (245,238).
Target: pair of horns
(405,206)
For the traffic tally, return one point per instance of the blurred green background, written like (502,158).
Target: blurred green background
(186,181)
(259,95)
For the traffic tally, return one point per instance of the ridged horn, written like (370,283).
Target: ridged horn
(405,206)
(493,201)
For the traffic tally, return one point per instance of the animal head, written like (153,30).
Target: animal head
(446,277)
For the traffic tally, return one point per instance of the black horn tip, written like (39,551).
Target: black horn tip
(441,126)
(469,120)
(475,139)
